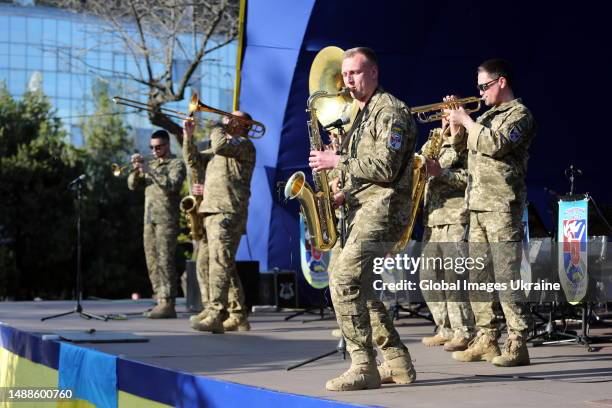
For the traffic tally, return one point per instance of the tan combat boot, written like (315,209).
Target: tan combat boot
(398,370)
(197,318)
(437,340)
(213,322)
(163,310)
(483,347)
(515,353)
(236,322)
(358,377)
(457,343)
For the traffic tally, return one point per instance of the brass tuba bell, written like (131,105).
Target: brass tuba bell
(328,101)
(326,76)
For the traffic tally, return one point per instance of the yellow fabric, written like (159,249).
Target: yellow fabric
(132,401)
(18,372)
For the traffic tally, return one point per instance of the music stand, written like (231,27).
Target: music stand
(77,186)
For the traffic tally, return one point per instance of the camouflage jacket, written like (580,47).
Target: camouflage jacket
(498,148)
(377,164)
(445,194)
(229,165)
(162,189)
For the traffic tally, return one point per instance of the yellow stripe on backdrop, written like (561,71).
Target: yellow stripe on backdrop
(241,19)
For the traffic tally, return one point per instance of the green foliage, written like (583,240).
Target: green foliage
(36,210)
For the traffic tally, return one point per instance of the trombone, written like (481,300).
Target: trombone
(256,129)
(438,108)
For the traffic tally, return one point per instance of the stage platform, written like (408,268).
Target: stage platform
(178,366)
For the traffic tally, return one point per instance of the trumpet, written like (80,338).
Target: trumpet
(118,169)
(255,129)
(438,108)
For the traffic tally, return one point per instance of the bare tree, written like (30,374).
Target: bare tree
(156,34)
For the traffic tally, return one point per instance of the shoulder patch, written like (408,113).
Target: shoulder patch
(395,136)
(515,134)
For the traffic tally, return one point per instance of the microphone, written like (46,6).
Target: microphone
(573,171)
(77,180)
(338,123)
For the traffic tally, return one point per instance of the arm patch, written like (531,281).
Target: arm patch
(395,137)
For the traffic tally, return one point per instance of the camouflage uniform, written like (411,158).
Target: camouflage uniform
(496,194)
(378,176)
(161,221)
(229,165)
(445,217)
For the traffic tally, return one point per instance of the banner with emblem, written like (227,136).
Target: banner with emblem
(573,245)
(314,263)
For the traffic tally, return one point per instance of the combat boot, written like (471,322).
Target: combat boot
(213,322)
(357,377)
(483,347)
(515,353)
(236,322)
(438,340)
(398,370)
(163,310)
(457,343)
(197,317)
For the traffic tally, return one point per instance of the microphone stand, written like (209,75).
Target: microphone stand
(77,186)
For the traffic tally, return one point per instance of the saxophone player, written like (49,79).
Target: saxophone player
(228,167)
(445,219)
(378,172)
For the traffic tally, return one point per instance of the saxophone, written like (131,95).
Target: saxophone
(189,206)
(316,204)
(419,181)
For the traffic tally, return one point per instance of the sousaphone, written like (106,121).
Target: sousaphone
(326,75)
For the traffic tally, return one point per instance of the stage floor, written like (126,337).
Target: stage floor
(560,375)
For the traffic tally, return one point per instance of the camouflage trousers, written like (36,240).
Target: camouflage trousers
(450,309)
(216,265)
(234,300)
(499,235)
(160,248)
(362,317)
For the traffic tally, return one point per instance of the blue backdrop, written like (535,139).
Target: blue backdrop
(426,50)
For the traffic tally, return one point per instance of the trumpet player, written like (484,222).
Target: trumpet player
(228,167)
(378,173)
(498,144)
(162,179)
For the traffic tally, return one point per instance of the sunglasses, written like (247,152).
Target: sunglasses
(485,86)
(157,147)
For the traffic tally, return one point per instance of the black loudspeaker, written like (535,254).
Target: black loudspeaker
(267,292)
(285,287)
(248,271)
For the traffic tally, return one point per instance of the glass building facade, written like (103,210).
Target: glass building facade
(65,53)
